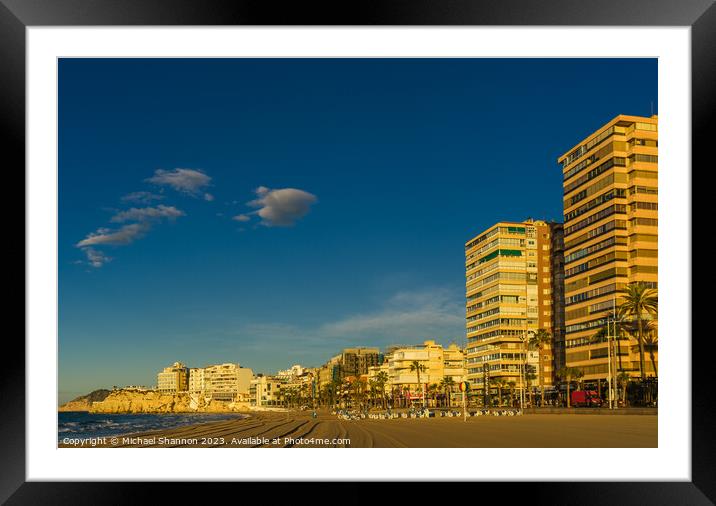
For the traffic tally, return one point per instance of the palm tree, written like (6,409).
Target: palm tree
(381,379)
(500,383)
(433,392)
(540,340)
(567,374)
(512,384)
(418,367)
(639,299)
(529,377)
(578,375)
(446,384)
(357,387)
(621,326)
(623,380)
(651,342)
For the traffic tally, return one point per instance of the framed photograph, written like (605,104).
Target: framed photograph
(452,236)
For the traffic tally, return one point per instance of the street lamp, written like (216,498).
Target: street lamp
(523,366)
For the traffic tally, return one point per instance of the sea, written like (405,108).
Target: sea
(79,424)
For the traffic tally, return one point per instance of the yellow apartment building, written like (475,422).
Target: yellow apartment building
(513,288)
(173,379)
(610,235)
(439,362)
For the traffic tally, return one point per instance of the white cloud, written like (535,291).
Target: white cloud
(188,181)
(282,207)
(142,197)
(241,217)
(96,258)
(208,197)
(147,213)
(125,235)
(407,317)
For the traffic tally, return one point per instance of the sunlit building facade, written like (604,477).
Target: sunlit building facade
(610,235)
(512,291)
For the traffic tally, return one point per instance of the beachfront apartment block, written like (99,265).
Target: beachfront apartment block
(356,361)
(350,363)
(513,289)
(437,362)
(266,391)
(173,379)
(224,382)
(610,236)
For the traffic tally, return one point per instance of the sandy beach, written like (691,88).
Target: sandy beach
(301,430)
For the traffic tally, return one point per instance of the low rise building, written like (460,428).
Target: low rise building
(173,379)
(265,391)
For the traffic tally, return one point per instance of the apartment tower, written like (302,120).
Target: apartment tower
(511,293)
(610,236)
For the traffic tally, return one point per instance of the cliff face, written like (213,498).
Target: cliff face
(134,401)
(84,402)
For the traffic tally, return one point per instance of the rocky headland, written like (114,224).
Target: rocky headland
(149,401)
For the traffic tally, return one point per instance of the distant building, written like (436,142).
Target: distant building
(438,363)
(356,361)
(196,380)
(223,382)
(329,372)
(173,379)
(291,372)
(265,391)
(227,382)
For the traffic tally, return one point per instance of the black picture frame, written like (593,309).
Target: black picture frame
(700,15)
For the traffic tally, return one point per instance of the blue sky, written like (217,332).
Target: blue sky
(274,211)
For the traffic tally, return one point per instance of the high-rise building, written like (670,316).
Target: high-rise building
(173,379)
(511,293)
(610,235)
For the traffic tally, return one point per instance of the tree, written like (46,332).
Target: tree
(540,340)
(567,374)
(357,389)
(381,379)
(433,391)
(418,367)
(623,379)
(512,384)
(530,376)
(638,300)
(621,328)
(500,383)
(651,342)
(447,384)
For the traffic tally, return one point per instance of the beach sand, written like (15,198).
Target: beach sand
(299,429)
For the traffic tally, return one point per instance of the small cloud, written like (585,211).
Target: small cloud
(188,181)
(142,197)
(241,217)
(125,235)
(220,214)
(96,258)
(282,207)
(147,213)
(208,197)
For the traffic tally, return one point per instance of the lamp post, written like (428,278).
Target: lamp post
(609,366)
(523,366)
